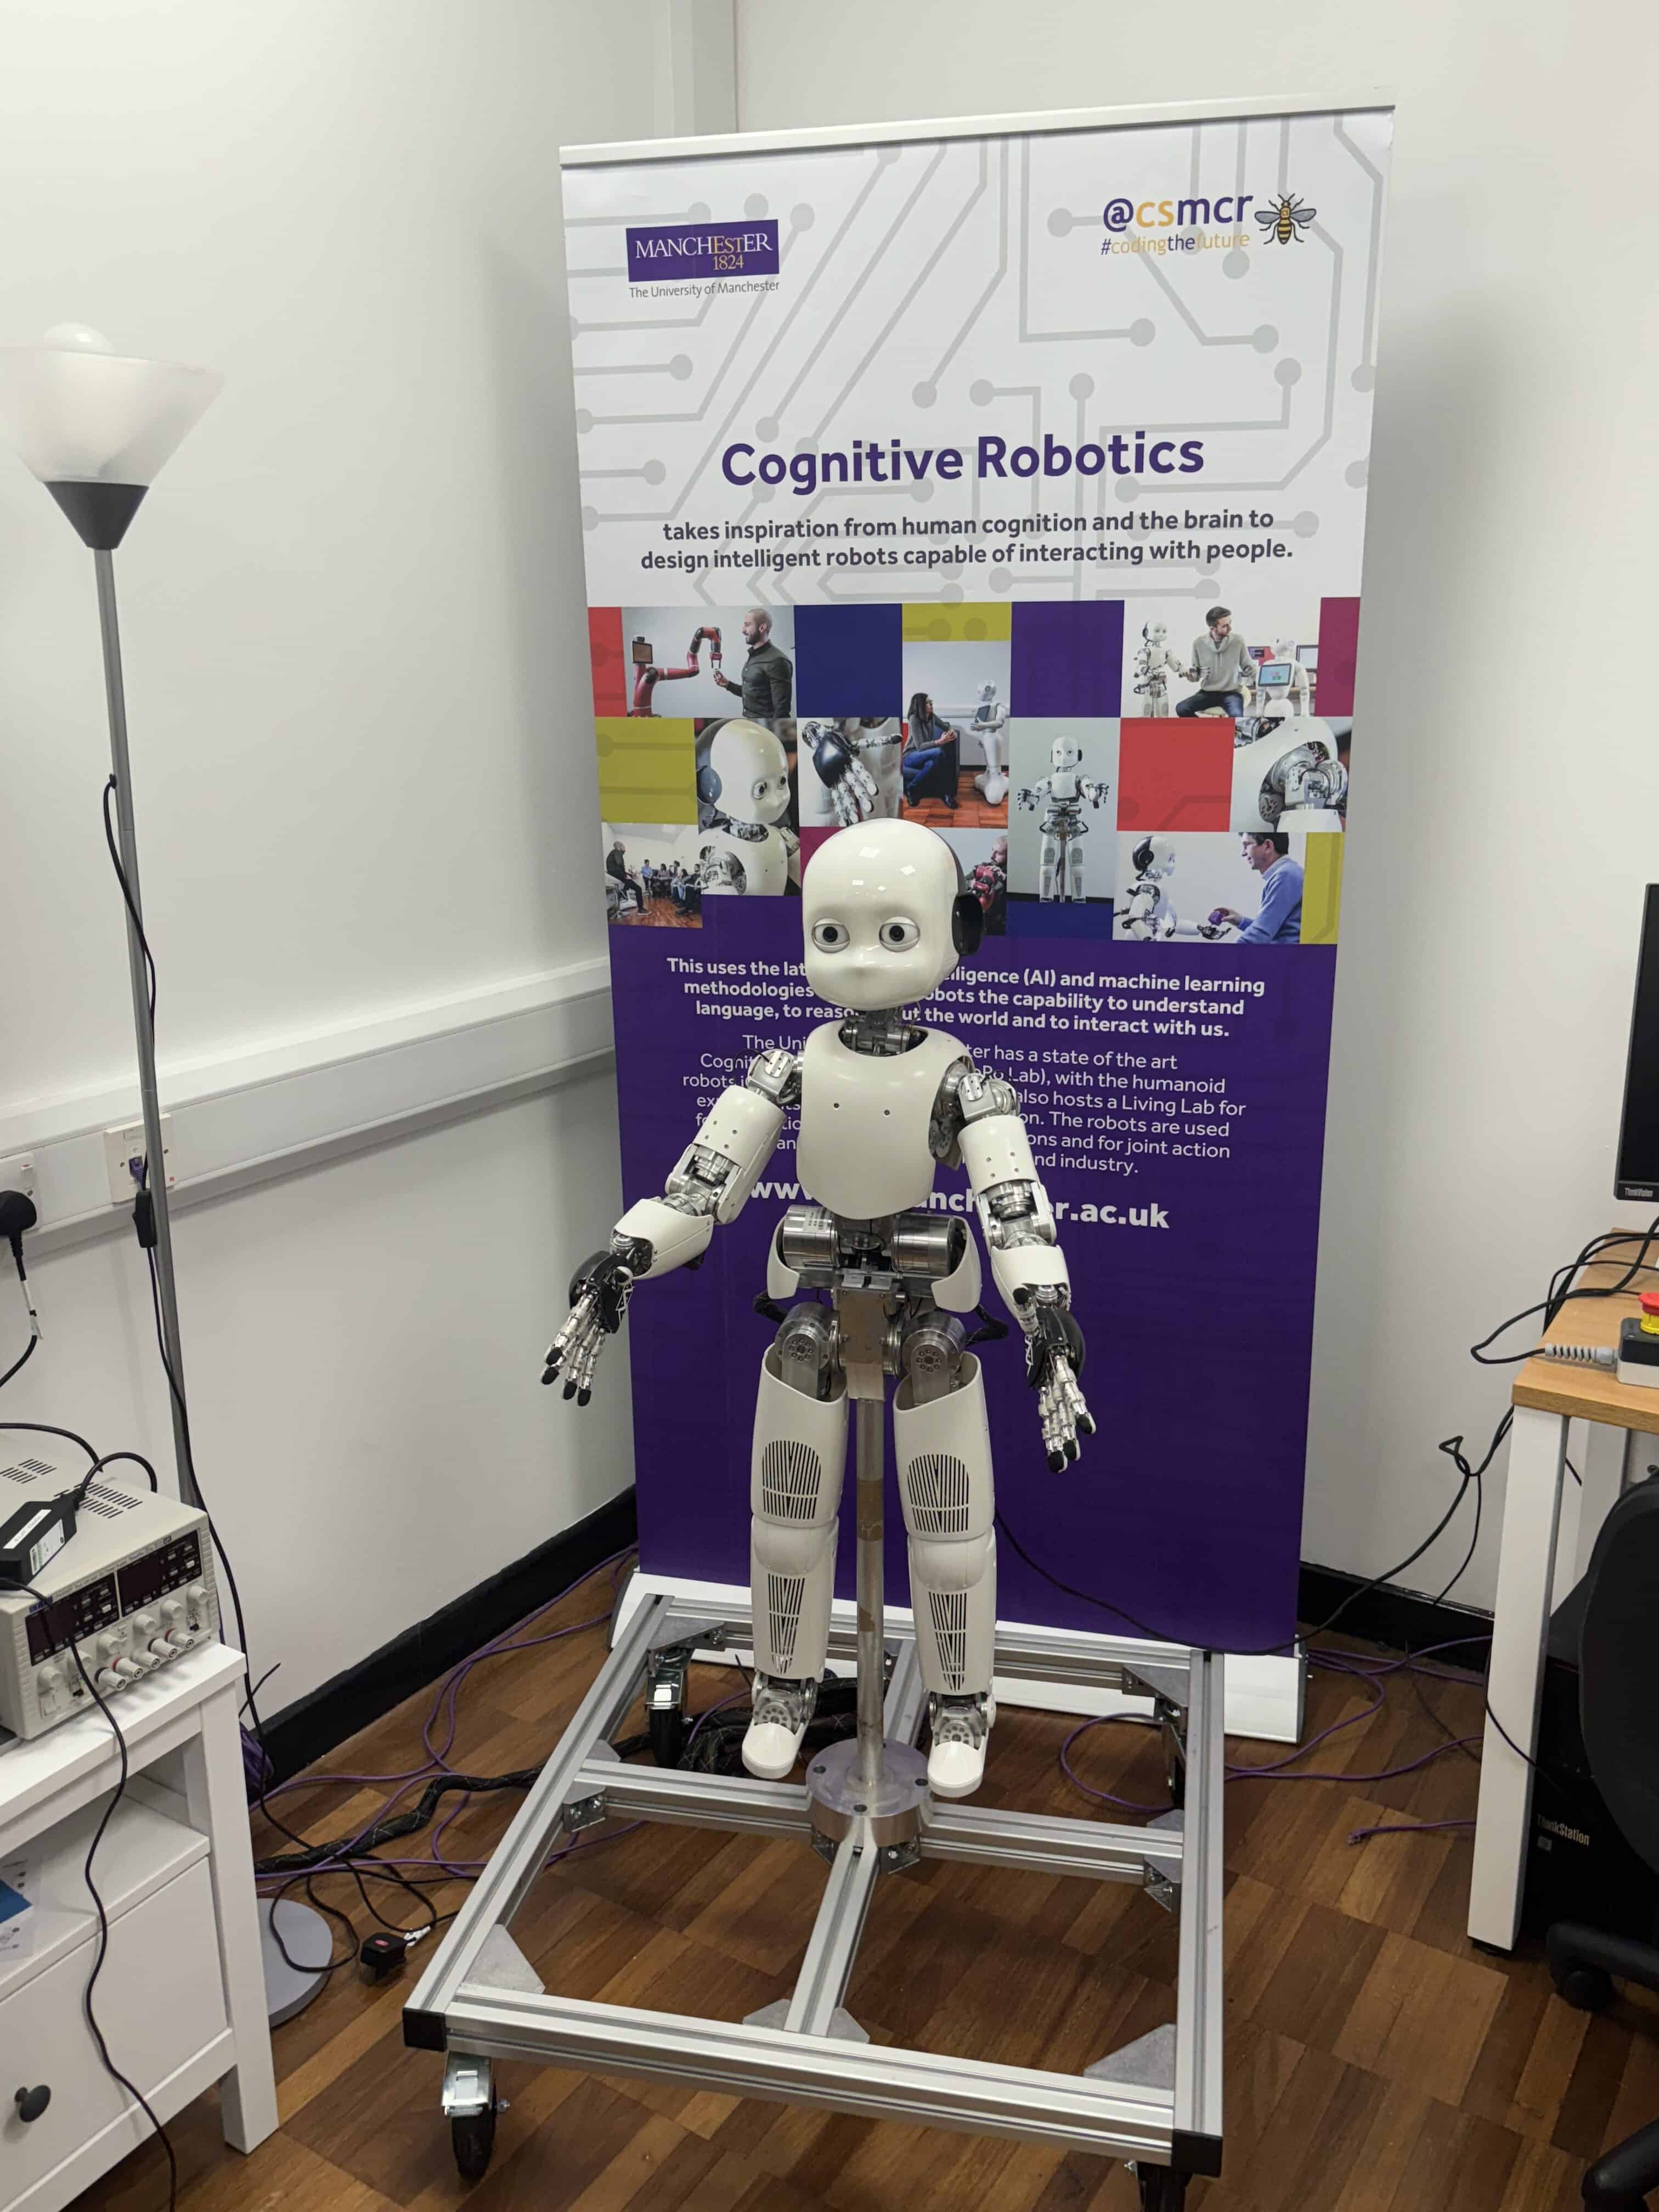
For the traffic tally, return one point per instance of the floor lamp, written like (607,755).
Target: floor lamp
(96,428)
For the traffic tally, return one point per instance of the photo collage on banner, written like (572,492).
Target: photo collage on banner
(1013,485)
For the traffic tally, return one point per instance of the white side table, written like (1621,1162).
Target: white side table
(181,1998)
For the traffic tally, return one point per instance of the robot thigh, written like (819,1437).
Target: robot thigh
(795,1478)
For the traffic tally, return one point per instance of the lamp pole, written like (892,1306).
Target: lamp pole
(144,1022)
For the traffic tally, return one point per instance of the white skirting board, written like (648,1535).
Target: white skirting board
(1264,1696)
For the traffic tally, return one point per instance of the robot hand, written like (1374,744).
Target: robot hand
(1025,796)
(1053,1358)
(843,774)
(599,1291)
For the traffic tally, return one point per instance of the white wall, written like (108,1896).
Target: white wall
(1502,826)
(358,680)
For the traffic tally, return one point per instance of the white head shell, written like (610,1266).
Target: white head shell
(878,914)
(1066,753)
(753,770)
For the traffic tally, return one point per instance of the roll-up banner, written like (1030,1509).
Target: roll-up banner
(1009,476)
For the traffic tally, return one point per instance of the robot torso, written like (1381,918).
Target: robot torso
(865,1143)
(758,863)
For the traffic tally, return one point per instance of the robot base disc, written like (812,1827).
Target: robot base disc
(838,1800)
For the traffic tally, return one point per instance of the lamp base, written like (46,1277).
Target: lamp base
(100,512)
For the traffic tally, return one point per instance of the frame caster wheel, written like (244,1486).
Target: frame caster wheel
(1162,2189)
(469,2105)
(473,2136)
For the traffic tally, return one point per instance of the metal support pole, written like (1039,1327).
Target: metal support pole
(868,1414)
(127,844)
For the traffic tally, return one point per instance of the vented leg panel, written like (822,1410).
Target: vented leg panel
(796,1479)
(943,1453)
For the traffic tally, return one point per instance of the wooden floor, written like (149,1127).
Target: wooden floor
(1375,2062)
(970,811)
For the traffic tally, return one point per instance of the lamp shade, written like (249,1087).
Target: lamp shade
(94,426)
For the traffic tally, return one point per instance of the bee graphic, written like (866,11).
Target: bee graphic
(1287,219)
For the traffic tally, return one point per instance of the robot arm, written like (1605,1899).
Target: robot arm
(842,774)
(1033,794)
(650,673)
(710,1182)
(1029,1266)
(1093,792)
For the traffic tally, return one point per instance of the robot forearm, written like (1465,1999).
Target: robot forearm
(712,1177)
(1017,1221)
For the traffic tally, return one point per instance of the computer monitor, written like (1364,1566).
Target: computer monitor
(1275,675)
(1637,1172)
(1309,656)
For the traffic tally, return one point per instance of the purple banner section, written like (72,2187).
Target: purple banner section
(1175,1097)
(670,253)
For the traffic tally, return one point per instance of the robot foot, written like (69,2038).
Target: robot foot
(782,1709)
(962,1729)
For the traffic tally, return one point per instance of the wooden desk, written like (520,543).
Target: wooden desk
(1546,1547)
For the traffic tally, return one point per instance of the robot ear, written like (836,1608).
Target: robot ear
(1142,855)
(967,924)
(708,785)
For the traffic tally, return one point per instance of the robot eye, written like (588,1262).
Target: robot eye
(828,936)
(900,933)
(759,788)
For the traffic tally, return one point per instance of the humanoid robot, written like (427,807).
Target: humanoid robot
(1154,665)
(882,1103)
(985,720)
(648,673)
(1292,782)
(856,766)
(744,793)
(1282,690)
(1061,795)
(1147,913)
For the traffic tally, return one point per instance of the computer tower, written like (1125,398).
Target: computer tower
(1578,1865)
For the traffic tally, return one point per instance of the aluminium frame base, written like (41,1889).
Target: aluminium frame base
(1158,2102)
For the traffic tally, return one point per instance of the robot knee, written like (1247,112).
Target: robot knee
(783,1548)
(960,1565)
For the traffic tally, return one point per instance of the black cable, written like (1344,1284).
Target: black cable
(46,1429)
(131,903)
(109,2064)
(137,1459)
(19,1363)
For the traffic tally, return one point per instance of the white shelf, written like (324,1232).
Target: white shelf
(140,1852)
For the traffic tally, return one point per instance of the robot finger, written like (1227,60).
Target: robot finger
(865,786)
(846,806)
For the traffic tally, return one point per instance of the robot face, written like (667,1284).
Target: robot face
(876,910)
(753,770)
(1067,753)
(1156,632)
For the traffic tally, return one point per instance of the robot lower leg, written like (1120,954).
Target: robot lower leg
(943,1446)
(799,1460)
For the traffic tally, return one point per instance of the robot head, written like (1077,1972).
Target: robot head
(1154,859)
(1066,753)
(1155,633)
(747,774)
(884,916)
(1283,648)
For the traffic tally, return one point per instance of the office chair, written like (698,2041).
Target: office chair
(1619,1710)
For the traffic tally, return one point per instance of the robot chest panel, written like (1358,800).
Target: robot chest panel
(761,866)
(863,1149)
(1062,787)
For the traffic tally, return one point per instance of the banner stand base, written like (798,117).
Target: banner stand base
(1264,1697)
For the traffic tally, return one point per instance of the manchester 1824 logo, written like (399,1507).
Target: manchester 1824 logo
(679,254)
